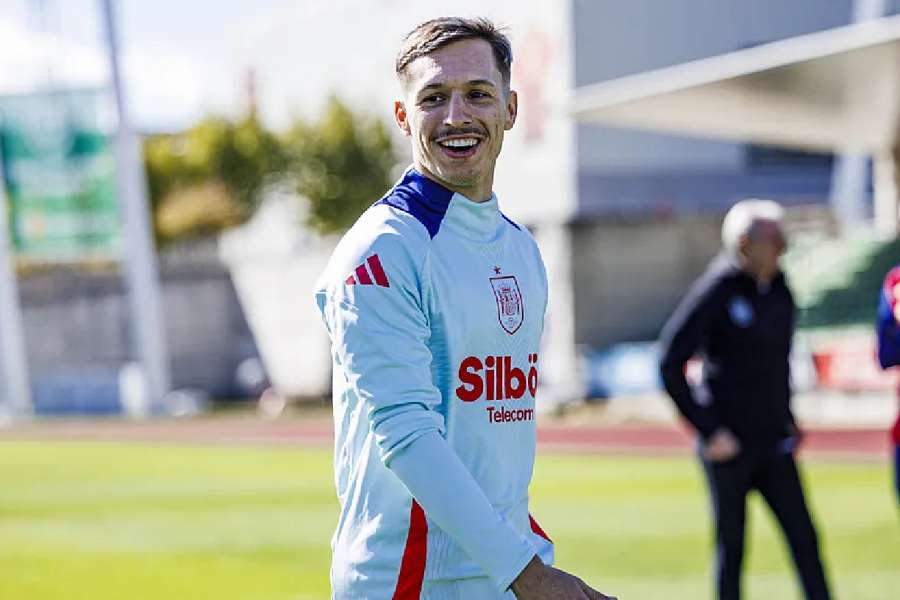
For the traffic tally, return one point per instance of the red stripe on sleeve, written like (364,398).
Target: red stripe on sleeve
(363,275)
(412,566)
(350,281)
(375,264)
(537,529)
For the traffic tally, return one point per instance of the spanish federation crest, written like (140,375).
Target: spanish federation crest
(510,309)
(741,312)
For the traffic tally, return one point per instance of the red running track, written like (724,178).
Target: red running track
(665,439)
(655,439)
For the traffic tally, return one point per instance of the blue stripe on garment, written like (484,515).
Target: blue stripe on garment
(421,197)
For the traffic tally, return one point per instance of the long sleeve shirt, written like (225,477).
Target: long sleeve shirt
(435,307)
(742,332)
(887,332)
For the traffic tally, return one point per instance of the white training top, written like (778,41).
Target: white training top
(435,308)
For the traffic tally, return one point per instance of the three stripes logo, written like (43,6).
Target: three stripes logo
(362,276)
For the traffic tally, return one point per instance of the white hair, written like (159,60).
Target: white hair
(743,215)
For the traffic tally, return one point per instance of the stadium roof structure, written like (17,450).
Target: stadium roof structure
(837,89)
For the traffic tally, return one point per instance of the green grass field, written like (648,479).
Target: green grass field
(105,521)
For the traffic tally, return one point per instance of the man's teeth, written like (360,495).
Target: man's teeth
(460,143)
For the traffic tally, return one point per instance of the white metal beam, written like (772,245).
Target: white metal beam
(15,386)
(141,273)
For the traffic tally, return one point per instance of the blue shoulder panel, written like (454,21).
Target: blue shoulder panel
(511,222)
(421,197)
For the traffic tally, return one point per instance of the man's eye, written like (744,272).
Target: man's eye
(478,94)
(432,99)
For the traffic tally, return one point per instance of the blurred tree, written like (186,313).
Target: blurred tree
(195,210)
(211,176)
(340,164)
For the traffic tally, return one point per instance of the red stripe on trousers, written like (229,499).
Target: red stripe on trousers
(375,264)
(363,275)
(412,566)
(537,529)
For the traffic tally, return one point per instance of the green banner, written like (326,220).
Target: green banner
(60,176)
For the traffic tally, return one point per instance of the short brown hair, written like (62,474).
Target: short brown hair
(437,33)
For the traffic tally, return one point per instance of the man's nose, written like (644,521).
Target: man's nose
(457,111)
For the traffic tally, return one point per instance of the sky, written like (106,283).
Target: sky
(183,59)
(180,59)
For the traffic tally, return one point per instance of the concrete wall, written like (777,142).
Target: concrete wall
(614,39)
(629,275)
(275,263)
(78,322)
(620,169)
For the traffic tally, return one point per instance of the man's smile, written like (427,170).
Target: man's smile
(459,146)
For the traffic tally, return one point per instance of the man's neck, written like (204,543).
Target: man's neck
(475,193)
(740,260)
(763,280)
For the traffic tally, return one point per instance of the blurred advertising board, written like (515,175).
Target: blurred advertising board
(60,176)
(851,366)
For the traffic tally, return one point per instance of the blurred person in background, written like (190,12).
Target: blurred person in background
(434,302)
(739,317)
(888,336)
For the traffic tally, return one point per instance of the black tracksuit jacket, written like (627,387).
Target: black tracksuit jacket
(743,335)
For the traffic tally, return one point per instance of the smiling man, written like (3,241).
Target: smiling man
(434,302)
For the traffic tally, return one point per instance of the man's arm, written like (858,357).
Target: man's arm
(480,530)
(449,495)
(680,339)
(794,431)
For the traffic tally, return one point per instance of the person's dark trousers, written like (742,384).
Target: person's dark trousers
(776,478)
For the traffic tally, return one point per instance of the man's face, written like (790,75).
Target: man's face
(764,246)
(456,110)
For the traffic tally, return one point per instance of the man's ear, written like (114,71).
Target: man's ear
(512,109)
(743,244)
(401,117)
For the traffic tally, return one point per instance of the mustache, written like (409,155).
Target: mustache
(460,131)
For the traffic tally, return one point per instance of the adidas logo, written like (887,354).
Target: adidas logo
(361,274)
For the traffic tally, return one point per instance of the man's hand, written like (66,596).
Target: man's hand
(721,446)
(796,433)
(540,582)
(790,444)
